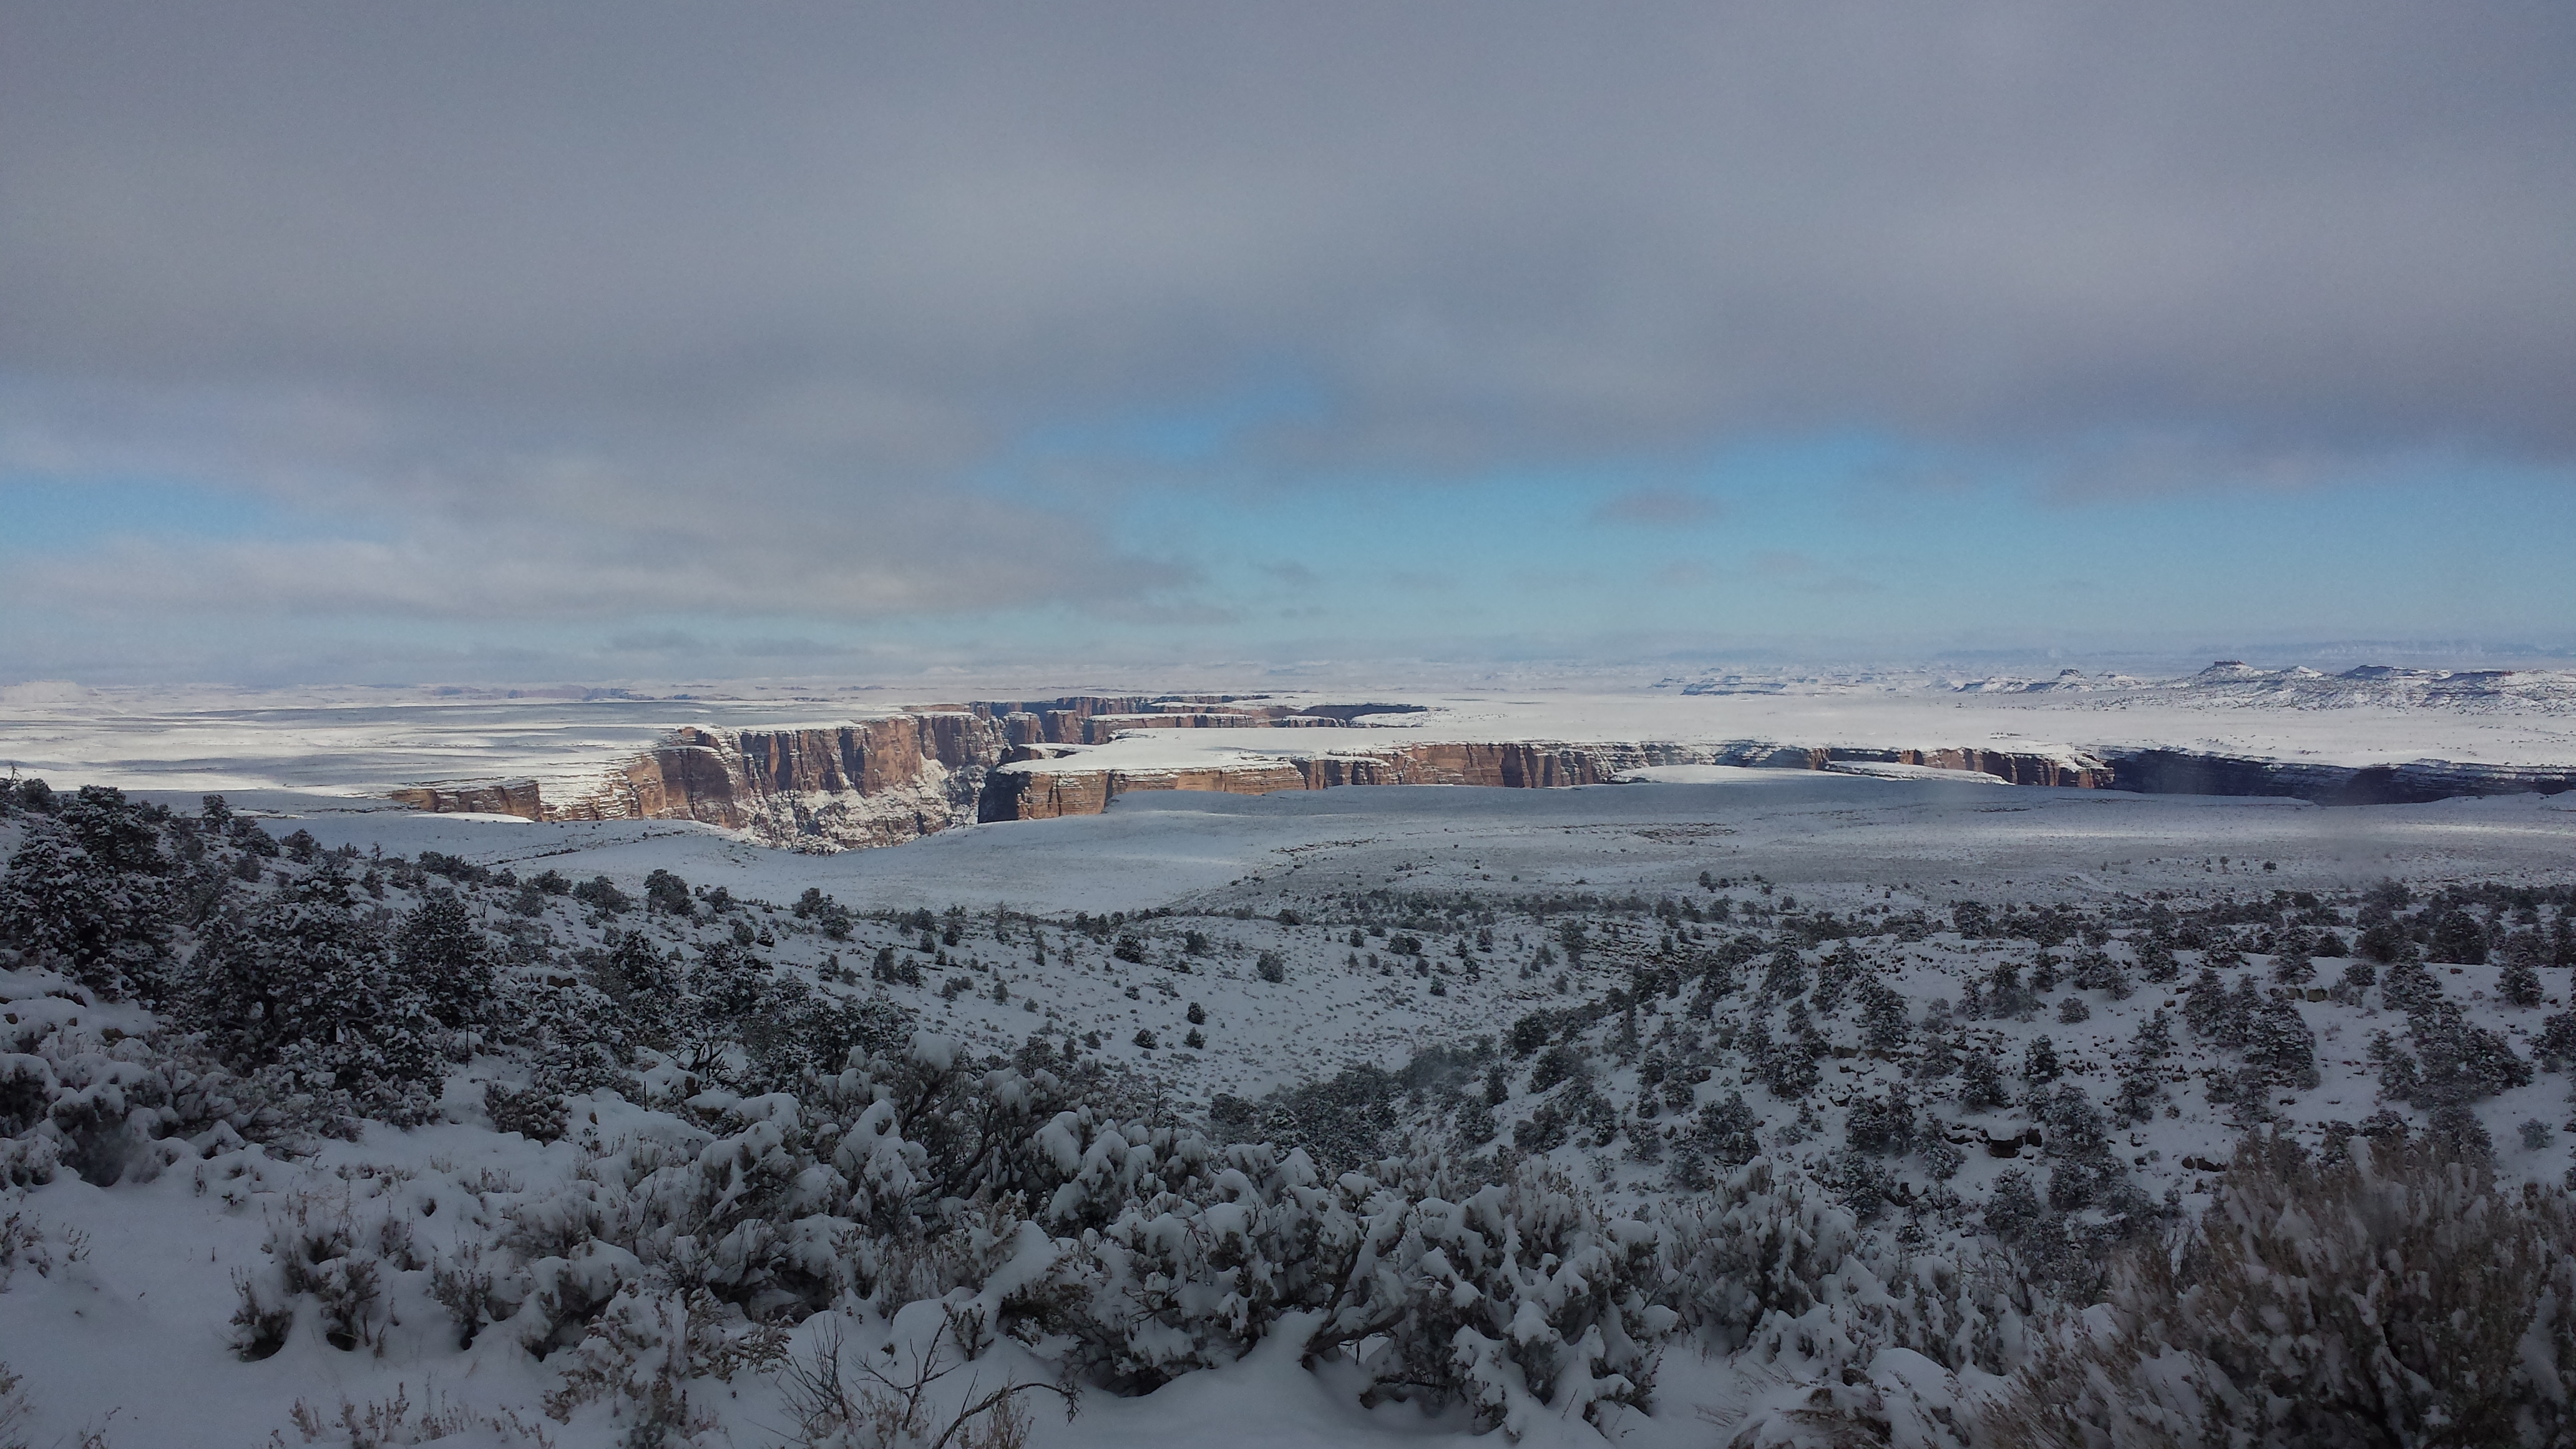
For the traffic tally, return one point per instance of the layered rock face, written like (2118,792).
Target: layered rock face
(879,781)
(1044,789)
(828,787)
(490,797)
(2415,782)
(900,776)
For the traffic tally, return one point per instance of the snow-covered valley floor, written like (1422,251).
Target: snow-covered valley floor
(1882,1012)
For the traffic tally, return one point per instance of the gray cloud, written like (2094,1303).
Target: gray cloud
(589,310)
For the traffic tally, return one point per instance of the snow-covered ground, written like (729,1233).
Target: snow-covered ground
(116,1315)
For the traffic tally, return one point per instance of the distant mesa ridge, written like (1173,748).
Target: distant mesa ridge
(898,777)
(875,781)
(1041,790)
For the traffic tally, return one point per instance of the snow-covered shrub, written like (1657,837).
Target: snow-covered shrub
(1518,1299)
(1759,1246)
(395,1419)
(2454,1061)
(1884,1026)
(602,895)
(576,1037)
(1726,1132)
(1981,1084)
(2096,971)
(1786,973)
(532,1112)
(1341,1121)
(1858,1181)
(1834,978)
(2006,997)
(2277,1044)
(667,893)
(2142,1091)
(2156,960)
(443,959)
(109,1106)
(2409,988)
(2556,1048)
(846,1397)
(2353,987)
(302,990)
(85,893)
(645,1347)
(1881,1124)
(2386,1293)
(324,1248)
(1790,1065)
(2519,983)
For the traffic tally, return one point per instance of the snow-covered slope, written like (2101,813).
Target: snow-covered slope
(1619,990)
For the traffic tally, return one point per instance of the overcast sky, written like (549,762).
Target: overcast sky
(485,341)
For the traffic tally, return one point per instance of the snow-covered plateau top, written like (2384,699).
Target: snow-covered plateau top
(361,743)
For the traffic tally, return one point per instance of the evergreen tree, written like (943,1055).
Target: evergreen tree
(2520,984)
(2156,960)
(2039,1064)
(303,988)
(444,958)
(95,917)
(1883,1022)
(1981,1084)
(1726,1132)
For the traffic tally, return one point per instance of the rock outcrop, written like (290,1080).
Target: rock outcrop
(483,797)
(1042,788)
(877,781)
(2415,782)
(899,776)
(829,787)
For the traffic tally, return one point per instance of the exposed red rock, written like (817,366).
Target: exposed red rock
(899,776)
(1036,791)
(489,797)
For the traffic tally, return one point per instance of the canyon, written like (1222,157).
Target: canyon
(910,772)
(876,781)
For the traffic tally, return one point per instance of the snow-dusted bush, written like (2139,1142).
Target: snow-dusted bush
(2275,1040)
(1517,1298)
(2096,971)
(2454,1061)
(2353,987)
(1726,1132)
(336,1251)
(1882,1124)
(1884,1025)
(2388,1292)
(2556,1048)
(303,991)
(110,1106)
(86,894)
(444,959)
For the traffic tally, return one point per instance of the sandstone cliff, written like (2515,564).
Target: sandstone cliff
(878,781)
(487,797)
(1035,788)
(902,775)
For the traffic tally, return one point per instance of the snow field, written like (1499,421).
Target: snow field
(146,1270)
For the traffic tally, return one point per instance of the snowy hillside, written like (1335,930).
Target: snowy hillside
(1759,1110)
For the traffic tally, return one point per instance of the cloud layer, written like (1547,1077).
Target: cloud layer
(587,311)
